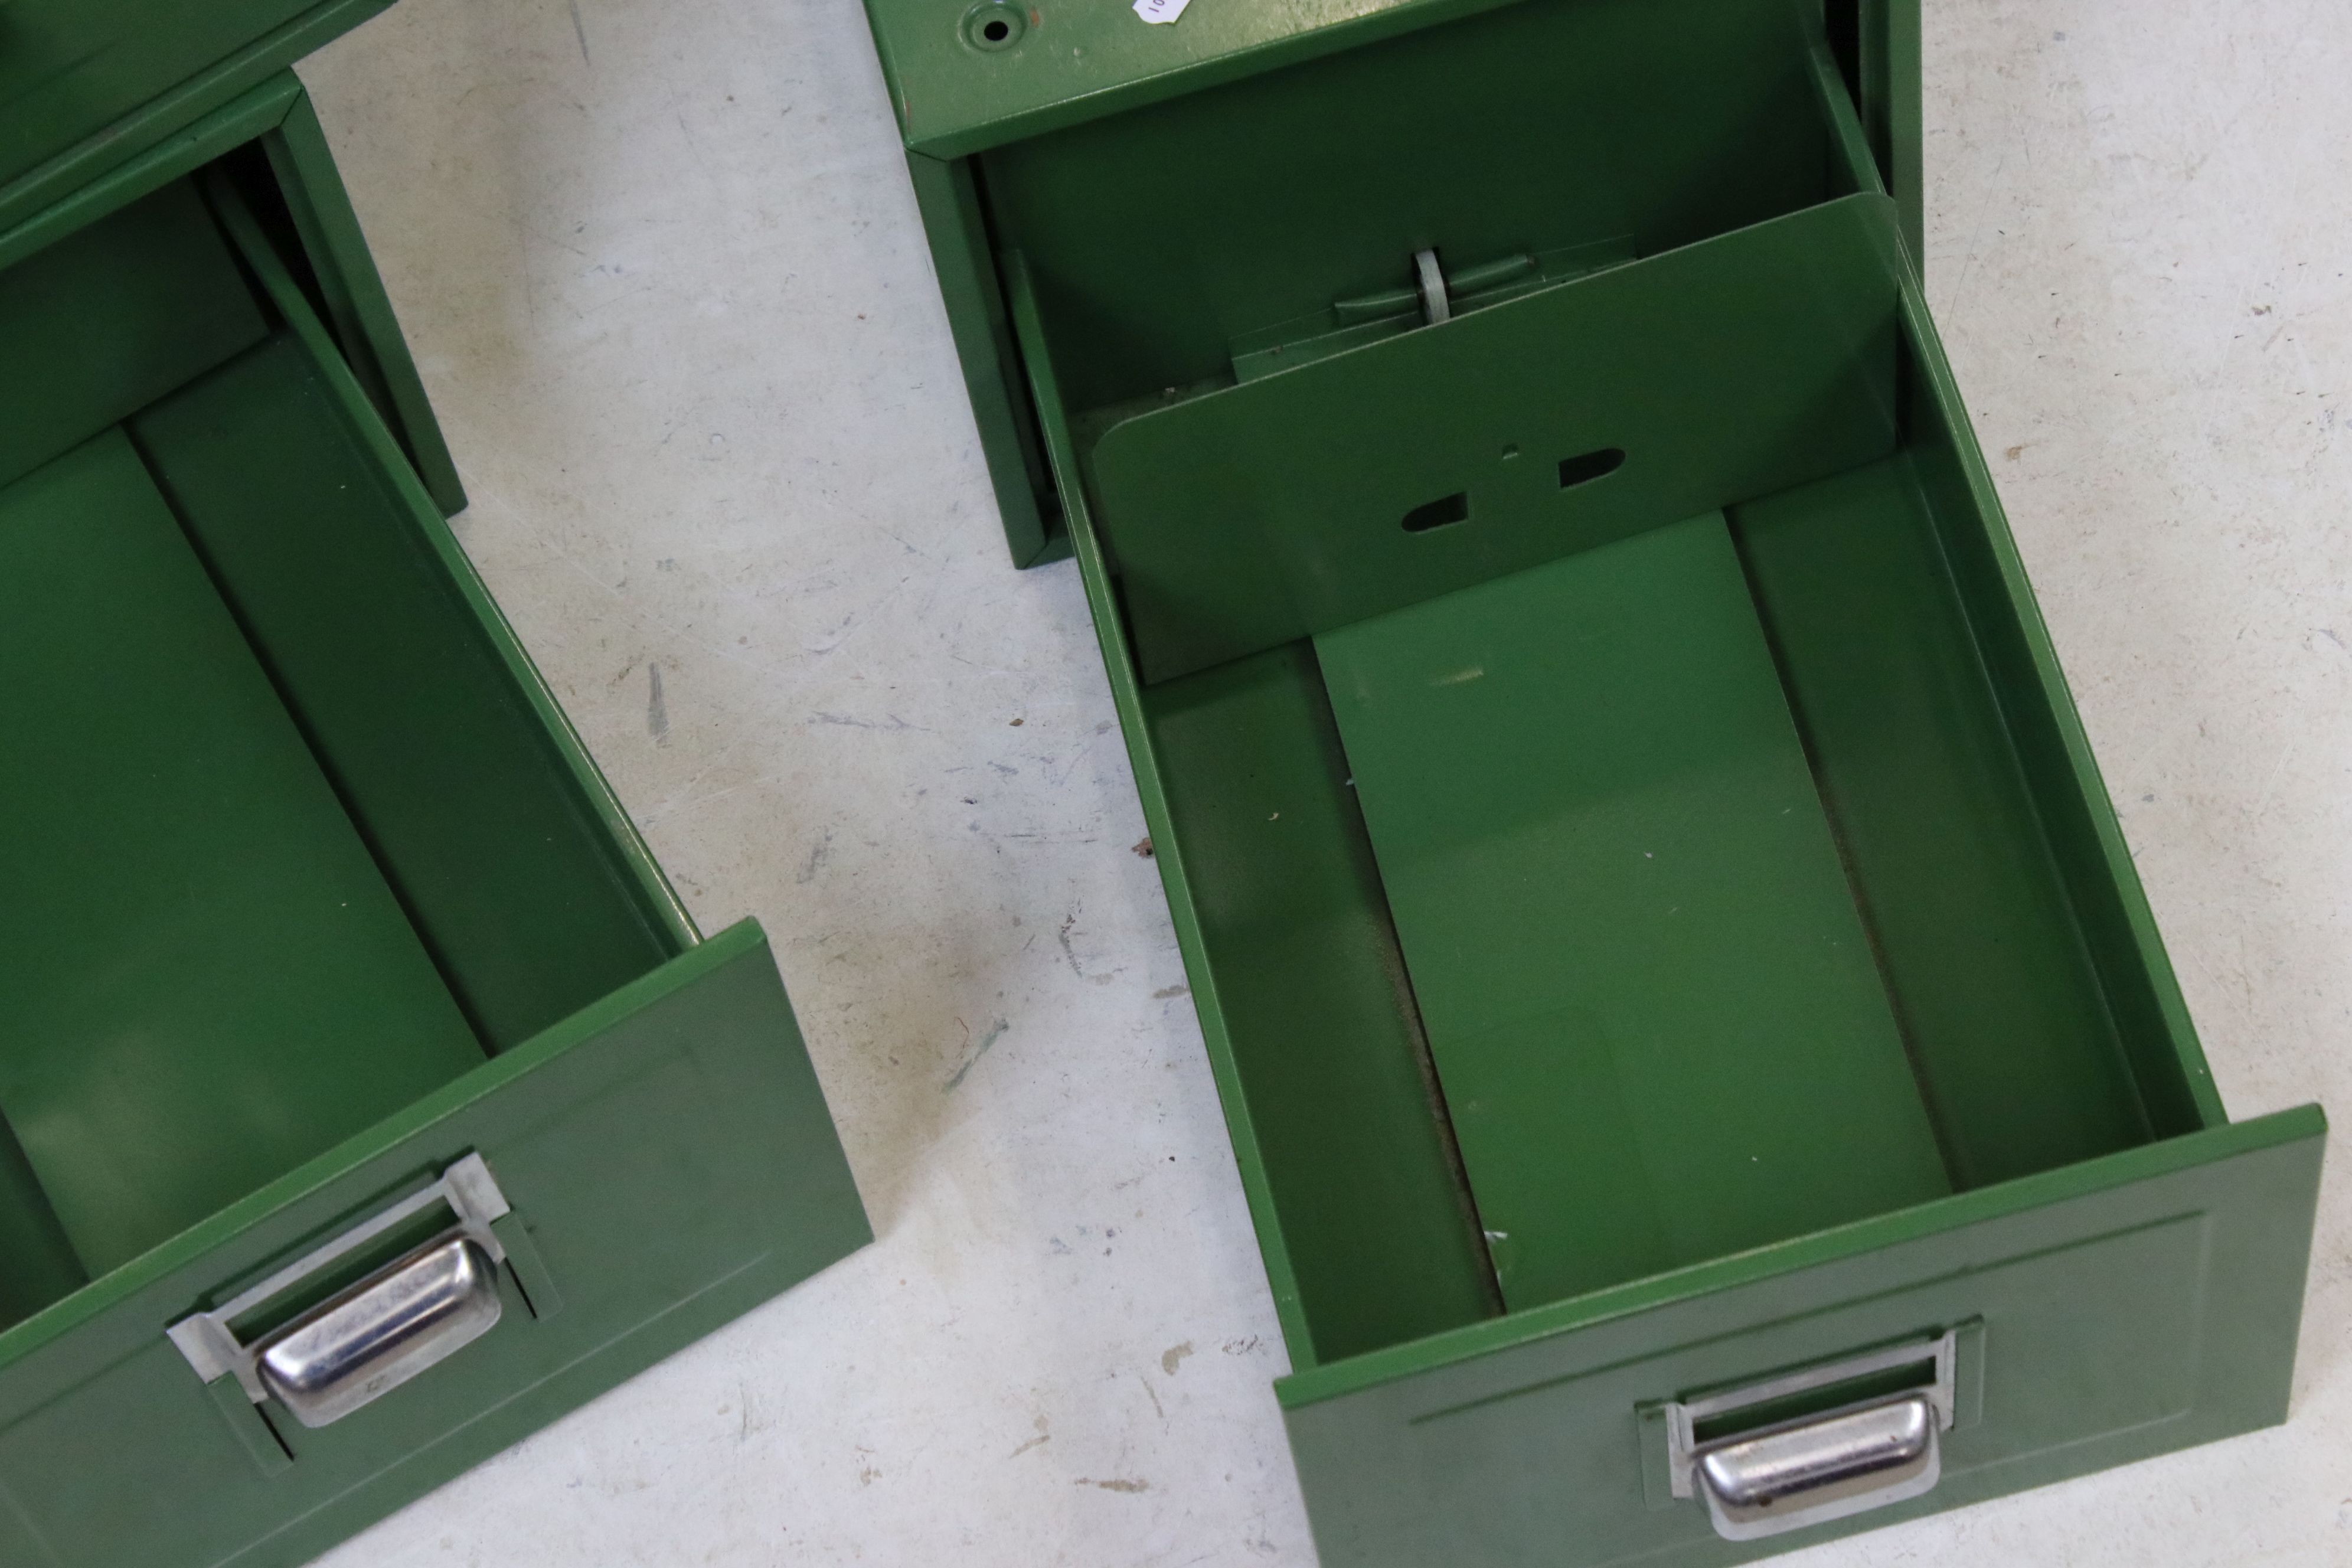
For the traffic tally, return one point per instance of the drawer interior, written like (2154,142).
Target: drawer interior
(1644,978)
(1937,987)
(294,836)
(1620,811)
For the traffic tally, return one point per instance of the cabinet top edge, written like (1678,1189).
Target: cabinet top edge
(1067,63)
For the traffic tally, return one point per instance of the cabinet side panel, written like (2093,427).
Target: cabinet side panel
(969,285)
(356,305)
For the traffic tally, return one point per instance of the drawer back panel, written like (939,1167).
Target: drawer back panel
(1448,456)
(101,324)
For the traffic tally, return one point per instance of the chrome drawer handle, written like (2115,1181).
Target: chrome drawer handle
(1807,1472)
(375,1335)
(1815,1468)
(382,1331)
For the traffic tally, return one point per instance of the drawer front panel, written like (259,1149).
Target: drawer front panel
(2152,1312)
(669,1155)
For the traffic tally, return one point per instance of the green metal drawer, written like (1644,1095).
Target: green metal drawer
(367,1099)
(1703,1072)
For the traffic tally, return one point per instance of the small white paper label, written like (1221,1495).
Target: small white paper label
(1160,10)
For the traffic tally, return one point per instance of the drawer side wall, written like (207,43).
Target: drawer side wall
(1996,990)
(1318,1016)
(210,981)
(504,866)
(669,1154)
(2086,842)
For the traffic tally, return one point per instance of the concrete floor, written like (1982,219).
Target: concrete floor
(663,274)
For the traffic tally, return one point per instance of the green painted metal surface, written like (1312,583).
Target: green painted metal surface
(669,1151)
(1328,1047)
(1286,505)
(210,982)
(1887,81)
(1172,237)
(2093,1124)
(1173,857)
(290,810)
(268,143)
(1968,914)
(1664,95)
(969,283)
(1649,997)
(530,902)
(1844,705)
(2066,1302)
(86,86)
(232,125)
(1069,63)
(2131,1305)
(117,315)
(1163,240)
(42,1263)
(2084,840)
(330,250)
(1072,64)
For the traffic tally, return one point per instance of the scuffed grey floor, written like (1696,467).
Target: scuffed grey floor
(664,278)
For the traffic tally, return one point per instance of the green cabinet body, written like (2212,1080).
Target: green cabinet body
(315,903)
(88,86)
(1673,974)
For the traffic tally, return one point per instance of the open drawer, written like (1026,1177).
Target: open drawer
(367,1099)
(1703,1072)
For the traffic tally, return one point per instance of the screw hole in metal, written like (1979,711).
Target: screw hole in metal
(994,26)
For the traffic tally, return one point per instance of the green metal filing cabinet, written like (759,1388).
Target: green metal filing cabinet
(1704,1073)
(367,1099)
